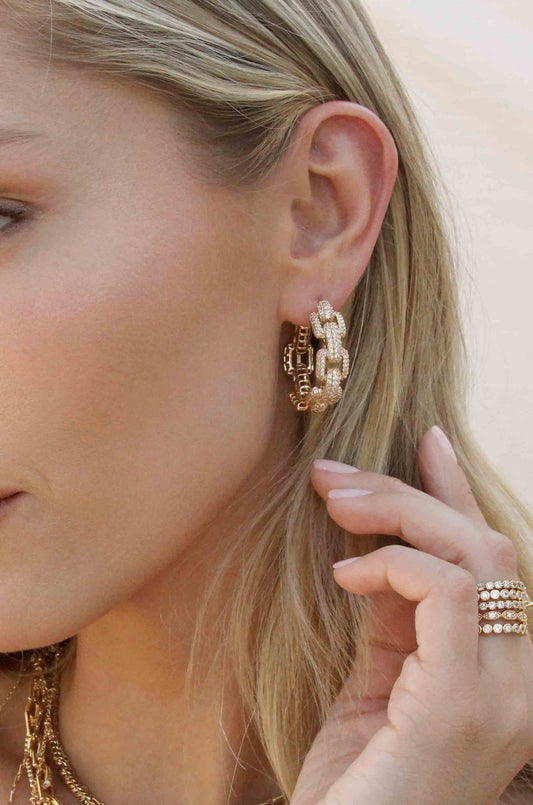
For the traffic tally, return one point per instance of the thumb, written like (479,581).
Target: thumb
(442,476)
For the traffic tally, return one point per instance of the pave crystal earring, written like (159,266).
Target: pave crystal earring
(299,360)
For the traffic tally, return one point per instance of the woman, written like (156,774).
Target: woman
(184,183)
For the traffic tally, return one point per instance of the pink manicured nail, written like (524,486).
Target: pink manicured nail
(346,561)
(333,466)
(348,493)
(444,441)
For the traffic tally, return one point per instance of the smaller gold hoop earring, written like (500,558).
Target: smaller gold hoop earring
(299,360)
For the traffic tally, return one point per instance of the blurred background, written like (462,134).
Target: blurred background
(468,68)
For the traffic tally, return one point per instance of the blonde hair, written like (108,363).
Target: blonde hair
(244,71)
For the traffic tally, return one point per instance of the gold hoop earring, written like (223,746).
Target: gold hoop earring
(327,324)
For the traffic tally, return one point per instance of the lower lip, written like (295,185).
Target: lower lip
(7,505)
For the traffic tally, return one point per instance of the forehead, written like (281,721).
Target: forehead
(42,106)
(68,121)
(54,106)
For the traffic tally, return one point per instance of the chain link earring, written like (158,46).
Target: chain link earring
(299,360)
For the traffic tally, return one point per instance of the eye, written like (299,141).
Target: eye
(17,214)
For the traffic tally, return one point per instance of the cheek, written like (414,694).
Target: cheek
(139,397)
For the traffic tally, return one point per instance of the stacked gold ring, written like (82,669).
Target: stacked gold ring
(505,600)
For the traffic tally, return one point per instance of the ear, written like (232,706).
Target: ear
(337,178)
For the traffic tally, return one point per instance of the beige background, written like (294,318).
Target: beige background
(468,67)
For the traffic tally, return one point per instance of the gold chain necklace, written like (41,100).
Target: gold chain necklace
(41,714)
(10,694)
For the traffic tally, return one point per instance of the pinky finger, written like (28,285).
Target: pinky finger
(446,619)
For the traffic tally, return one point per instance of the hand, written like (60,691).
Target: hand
(447,718)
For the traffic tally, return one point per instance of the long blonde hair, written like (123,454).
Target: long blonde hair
(244,71)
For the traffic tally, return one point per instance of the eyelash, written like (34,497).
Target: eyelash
(19,217)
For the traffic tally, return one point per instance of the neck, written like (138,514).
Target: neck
(131,732)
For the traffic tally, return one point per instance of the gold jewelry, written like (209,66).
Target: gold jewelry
(506,600)
(328,325)
(10,694)
(500,599)
(41,715)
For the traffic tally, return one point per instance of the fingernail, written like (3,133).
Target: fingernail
(333,466)
(348,493)
(346,561)
(444,442)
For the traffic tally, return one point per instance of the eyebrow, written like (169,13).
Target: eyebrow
(10,135)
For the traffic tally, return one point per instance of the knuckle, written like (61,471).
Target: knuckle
(460,583)
(397,485)
(503,548)
(393,550)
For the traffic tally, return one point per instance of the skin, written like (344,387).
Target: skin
(135,302)
(427,725)
(134,305)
